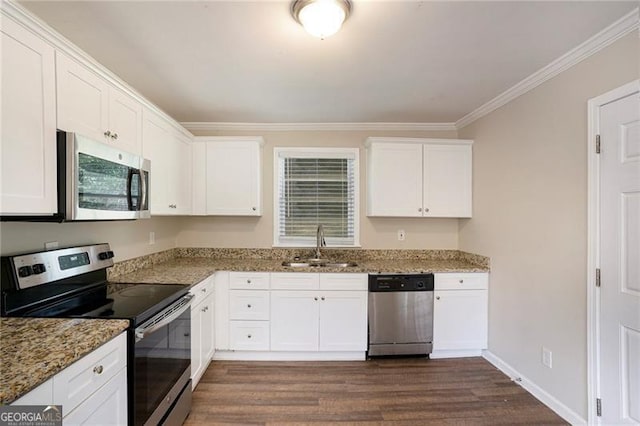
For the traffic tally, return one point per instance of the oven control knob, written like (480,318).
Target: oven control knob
(420,284)
(105,255)
(24,271)
(38,268)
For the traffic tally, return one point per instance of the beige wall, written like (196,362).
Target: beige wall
(374,232)
(530,217)
(128,239)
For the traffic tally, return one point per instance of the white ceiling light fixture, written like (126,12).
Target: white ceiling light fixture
(321,18)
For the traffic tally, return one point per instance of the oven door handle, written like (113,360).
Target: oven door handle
(163,318)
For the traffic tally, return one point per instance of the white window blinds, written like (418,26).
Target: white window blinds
(317,187)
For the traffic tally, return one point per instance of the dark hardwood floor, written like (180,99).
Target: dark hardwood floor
(466,391)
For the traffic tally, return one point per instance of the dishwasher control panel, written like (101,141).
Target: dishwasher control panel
(403,282)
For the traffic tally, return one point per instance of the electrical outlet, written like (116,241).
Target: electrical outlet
(547,359)
(51,245)
(401,235)
(152,238)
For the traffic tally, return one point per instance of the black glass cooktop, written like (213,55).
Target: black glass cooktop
(135,302)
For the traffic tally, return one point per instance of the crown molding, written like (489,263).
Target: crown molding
(292,127)
(604,38)
(25,18)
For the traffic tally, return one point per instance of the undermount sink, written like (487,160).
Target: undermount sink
(319,263)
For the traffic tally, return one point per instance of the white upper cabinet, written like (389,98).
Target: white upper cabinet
(89,105)
(28,128)
(232,176)
(170,156)
(419,177)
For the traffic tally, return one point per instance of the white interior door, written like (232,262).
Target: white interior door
(620,261)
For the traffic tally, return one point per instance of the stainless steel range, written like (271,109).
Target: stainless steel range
(72,282)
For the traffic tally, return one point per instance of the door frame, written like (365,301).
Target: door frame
(593,241)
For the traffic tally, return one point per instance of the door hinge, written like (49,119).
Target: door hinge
(598,277)
(597,144)
(598,407)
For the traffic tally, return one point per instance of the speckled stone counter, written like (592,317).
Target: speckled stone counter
(197,264)
(34,349)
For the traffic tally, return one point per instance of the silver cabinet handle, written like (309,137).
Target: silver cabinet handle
(107,134)
(461,281)
(248,281)
(437,297)
(426,210)
(248,336)
(204,290)
(254,208)
(248,305)
(322,298)
(114,136)
(98,369)
(315,298)
(419,209)
(203,309)
(173,206)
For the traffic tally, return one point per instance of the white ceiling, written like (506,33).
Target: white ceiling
(393,61)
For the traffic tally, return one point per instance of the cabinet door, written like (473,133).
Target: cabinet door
(72,385)
(83,99)
(447,180)
(394,180)
(197,363)
(125,122)
(28,123)
(343,321)
(180,176)
(460,319)
(294,320)
(208,329)
(234,178)
(107,406)
(156,146)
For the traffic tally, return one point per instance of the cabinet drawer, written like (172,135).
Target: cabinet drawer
(455,281)
(249,335)
(249,280)
(201,290)
(295,281)
(344,282)
(82,378)
(248,305)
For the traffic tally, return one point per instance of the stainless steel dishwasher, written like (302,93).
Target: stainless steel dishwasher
(400,314)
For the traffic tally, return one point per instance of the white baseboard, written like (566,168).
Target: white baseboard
(455,353)
(287,356)
(543,396)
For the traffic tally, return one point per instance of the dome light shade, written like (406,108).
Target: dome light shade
(321,18)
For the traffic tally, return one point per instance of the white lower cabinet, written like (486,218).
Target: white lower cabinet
(460,315)
(107,407)
(202,328)
(319,320)
(343,321)
(295,320)
(292,315)
(249,335)
(93,390)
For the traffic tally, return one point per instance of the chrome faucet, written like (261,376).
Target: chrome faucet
(320,242)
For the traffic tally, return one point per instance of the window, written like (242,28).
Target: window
(316,186)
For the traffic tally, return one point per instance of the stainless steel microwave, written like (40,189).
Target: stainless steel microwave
(100,182)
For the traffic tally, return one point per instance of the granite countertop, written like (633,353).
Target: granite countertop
(34,349)
(192,270)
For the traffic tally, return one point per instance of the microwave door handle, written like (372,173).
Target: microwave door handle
(129,185)
(143,190)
